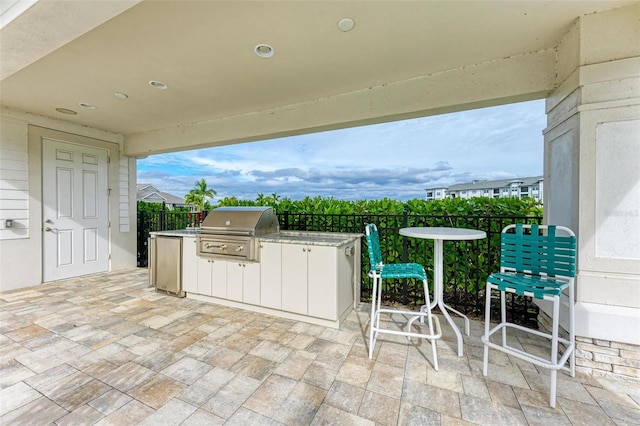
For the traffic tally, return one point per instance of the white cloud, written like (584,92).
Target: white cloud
(395,160)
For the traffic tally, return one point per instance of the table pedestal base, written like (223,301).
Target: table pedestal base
(444,308)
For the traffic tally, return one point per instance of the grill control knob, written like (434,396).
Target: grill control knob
(239,248)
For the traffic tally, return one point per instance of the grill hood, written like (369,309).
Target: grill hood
(246,221)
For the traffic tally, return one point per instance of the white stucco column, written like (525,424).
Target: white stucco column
(592,168)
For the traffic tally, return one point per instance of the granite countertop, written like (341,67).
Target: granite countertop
(177,233)
(291,237)
(311,238)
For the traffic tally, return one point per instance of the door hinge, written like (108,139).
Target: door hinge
(108,191)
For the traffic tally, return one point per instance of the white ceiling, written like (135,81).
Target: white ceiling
(57,54)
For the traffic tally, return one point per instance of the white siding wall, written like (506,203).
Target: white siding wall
(124,208)
(21,193)
(14,182)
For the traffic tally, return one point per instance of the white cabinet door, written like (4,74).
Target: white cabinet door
(271,275)
(243,282)
(219,278)
(251,283)
(204,276)
(234,280)
(212,277)
(294,278)
(189,265)
(322,272)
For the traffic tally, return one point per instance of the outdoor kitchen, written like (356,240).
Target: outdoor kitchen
(239,258)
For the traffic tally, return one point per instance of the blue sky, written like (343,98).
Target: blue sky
(395,160)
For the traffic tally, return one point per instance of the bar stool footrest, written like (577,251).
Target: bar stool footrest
(542,362)
(415,315)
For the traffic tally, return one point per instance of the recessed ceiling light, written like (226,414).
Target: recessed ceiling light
(86,105)
(158,85)
(264,50)
(66,111)
(120,95)
(346,24)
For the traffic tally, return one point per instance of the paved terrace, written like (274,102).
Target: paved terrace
(108,349)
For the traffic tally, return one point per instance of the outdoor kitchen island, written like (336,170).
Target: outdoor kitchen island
(305,276)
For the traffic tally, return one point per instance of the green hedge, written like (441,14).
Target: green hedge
(479,206)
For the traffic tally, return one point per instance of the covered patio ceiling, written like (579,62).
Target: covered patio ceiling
(59,54)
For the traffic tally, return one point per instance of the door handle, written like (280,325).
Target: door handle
(47,229)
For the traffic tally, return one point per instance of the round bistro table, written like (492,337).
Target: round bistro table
(439,235)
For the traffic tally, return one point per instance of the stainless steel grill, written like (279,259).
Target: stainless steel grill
(231,232)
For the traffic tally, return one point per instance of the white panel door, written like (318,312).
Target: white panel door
(75,210)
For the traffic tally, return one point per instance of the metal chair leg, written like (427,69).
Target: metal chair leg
(374,315)
(430,323)
(487,320)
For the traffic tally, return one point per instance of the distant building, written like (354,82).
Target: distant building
(150,194)
(518,187)
(439,193)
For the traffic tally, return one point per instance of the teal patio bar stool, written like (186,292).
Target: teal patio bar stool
(536,261)
(380,271)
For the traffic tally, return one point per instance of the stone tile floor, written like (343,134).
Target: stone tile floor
(108,349)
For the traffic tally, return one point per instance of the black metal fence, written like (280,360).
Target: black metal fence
(466,263)
(163,220)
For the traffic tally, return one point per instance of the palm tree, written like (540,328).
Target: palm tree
(193,199)
(198,195)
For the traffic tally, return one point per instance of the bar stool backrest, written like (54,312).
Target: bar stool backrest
(373,245)
(539,252)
